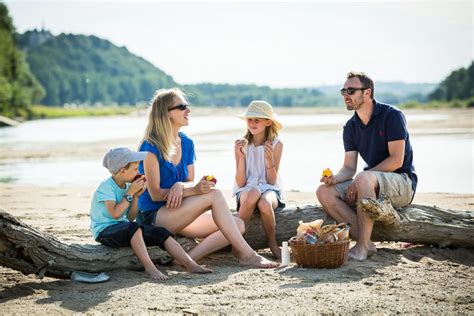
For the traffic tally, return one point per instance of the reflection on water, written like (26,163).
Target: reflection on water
(88,129)
(443,162)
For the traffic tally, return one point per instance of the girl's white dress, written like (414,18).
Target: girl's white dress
(256,171)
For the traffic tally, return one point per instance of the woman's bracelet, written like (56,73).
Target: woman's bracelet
(270,167)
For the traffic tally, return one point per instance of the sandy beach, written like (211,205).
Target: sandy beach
(399,278)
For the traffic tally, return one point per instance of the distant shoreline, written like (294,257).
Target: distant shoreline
(36,112)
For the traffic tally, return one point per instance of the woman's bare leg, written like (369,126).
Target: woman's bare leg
(214,241)
(192,207)
(266,205)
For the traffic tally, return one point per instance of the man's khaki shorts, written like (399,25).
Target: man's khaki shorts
(396,186)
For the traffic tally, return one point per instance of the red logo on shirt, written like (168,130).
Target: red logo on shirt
(380,133)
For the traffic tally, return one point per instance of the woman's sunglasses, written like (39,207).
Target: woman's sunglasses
(351,91)
(180,107)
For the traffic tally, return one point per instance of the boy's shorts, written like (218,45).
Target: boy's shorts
(396,186)
(281,203)
(120,234)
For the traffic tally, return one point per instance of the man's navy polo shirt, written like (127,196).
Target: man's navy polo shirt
(371,141)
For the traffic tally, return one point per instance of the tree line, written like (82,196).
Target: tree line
(459,85)
(18,87)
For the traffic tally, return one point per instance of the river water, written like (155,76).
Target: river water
(443,162)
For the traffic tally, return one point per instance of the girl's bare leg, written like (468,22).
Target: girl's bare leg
(266,205)
(139,248)
(192,207)
(248,204)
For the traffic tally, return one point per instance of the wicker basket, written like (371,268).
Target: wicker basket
(320,255)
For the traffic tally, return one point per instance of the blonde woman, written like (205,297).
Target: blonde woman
(257,158)
(172,200)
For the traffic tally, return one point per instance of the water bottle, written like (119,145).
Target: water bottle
(285,254)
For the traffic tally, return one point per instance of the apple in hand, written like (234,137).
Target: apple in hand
(327,172)
(138,176)
(211,178)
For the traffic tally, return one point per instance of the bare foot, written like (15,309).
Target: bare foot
(258,261)
(357,253)
(276,251)
(372,247)
(196,268)
(155,274)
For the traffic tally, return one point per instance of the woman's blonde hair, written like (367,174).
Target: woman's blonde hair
(270,133)
(158,131)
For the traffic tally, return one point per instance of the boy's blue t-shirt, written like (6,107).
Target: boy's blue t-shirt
(169,173)
(108,190)
(371,141)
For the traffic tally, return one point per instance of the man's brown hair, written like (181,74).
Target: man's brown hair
(366,81)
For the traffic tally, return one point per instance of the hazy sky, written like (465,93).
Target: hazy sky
(280,44)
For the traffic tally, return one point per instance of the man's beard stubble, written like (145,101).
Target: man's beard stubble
(356,104)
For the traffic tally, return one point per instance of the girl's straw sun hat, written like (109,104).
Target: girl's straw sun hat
(261,109)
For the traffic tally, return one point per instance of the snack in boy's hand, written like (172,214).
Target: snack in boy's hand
(138,176)
(327,172)
(211,178)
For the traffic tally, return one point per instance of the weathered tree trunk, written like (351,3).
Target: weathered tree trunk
(28,250)
(25,249)
(421,224)
(414,223)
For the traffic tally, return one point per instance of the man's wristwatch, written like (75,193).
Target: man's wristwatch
(129,197)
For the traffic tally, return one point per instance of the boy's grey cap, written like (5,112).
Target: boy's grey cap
(119,157)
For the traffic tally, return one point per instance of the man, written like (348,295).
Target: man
(379,134)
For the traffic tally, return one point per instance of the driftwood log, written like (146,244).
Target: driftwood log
(415,223)
(28,250)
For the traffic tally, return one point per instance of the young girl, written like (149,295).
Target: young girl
(257,157)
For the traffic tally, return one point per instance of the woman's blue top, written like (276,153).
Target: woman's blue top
(169,173)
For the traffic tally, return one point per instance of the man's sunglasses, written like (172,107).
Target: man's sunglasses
(351,91)
(180,107)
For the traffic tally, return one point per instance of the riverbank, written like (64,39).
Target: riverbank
(51,112)
(399,278)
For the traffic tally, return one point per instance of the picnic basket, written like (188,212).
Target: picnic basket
(319,255)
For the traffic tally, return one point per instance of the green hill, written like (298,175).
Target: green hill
(87,69)
(243,94)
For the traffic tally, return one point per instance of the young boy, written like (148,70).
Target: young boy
(114,207)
